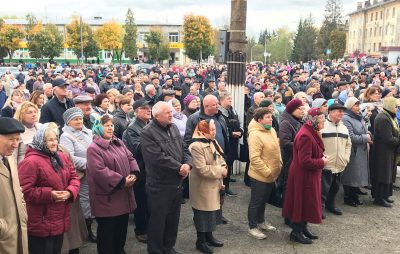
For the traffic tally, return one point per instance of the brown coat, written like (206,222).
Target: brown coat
(205,178)
(13,216)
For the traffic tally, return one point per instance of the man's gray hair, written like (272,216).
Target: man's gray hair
(158,107)
(148,88)
(47,85)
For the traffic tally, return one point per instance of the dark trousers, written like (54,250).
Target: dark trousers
(329,187)
(228,176)
(111,234)
(164,204)
(350,192)
(141,213)
(246,177)
(45,245)
(260,193)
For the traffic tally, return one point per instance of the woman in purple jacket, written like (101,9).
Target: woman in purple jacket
(111,173)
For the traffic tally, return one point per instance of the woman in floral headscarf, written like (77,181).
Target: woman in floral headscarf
(302,202)
(50,184)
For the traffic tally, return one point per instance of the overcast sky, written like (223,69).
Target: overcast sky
(261,14)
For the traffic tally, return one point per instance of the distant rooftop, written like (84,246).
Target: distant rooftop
(370,4)
(93,21)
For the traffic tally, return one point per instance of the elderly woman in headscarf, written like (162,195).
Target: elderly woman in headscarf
(76,138)
(111,172)
(50,184)
(356,173)
(302,202)
(384,152)
(209,168)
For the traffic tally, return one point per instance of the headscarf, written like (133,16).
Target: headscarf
(312,118)
(39,144)
(390,104)
(98,128)
(198,135)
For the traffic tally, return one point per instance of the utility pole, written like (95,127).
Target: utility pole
(81,41)
(236,60)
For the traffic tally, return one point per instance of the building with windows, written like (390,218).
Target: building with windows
(374,28)
(172,34)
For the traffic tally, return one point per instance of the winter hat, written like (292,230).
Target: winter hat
(189,99)
(71,113)
(390,104)
(343,96)
(330,102)
(319,102)
(350,102)
(293,105)
(385,93)
(265,103)
(312,118)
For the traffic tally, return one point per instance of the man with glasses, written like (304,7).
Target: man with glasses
(131,138)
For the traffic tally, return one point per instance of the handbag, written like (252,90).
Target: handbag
(275,198)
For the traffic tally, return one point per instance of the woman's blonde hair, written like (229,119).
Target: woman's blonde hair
(15,92)
(113,91)
(21,110)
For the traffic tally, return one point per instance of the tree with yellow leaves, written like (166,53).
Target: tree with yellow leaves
(73,39)
(110,37)
(10,38)
(197,37)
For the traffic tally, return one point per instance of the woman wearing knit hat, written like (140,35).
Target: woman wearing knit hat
(76,138)
(302,202)
(191,105)
(291,122)
(384,151)
(356,173)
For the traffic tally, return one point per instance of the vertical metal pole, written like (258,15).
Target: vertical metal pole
(265,48)
(81,41)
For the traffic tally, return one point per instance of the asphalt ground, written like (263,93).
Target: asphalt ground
(364,229)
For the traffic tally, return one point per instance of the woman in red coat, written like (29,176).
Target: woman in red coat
(50,184)
(302,203)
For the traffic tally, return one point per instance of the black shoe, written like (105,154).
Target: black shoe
(308,234)
(142,238)
(323,216)
(173,251)
(396,188)
(183,201)
(300,238)
(350,202)
(382,202)
(212,241)
(229,193)
(334,210)
(389,200)
(360,192)
(203,247)
(232,180)
(358,202)
(224,220)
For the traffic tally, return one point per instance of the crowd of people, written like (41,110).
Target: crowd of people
(102,143)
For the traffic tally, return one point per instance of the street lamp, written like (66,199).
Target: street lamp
(81,40)
(251,53)
(265,49)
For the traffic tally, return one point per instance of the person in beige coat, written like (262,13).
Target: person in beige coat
(265,166)
(13,216)
(205,183)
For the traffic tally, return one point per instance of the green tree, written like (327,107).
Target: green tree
(280,45)
(263,35)
(333,20)
(91,49)
(129,42)
(197,37)
(10,38)
(304,40)
(337,43)
(52,41)
(73,38)
(157,49)
(3,51)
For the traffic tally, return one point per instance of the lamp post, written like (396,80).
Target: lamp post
(81,39)
(251,52)
(265,49)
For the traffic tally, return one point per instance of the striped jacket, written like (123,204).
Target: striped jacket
(337,144)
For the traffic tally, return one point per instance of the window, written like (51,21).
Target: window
(142,37)
(380,30)
(379,46)
(370,32)
(174,37)
(375,31)
(394,12)
(374,47)
(381,14)
(387,13)
(372,16)
(376,15)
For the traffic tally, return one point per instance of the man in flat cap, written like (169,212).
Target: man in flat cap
(84,102)
(54,109)
(13,217)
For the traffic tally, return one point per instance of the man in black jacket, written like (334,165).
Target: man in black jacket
(131,138)
(54,109)
(168,162)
